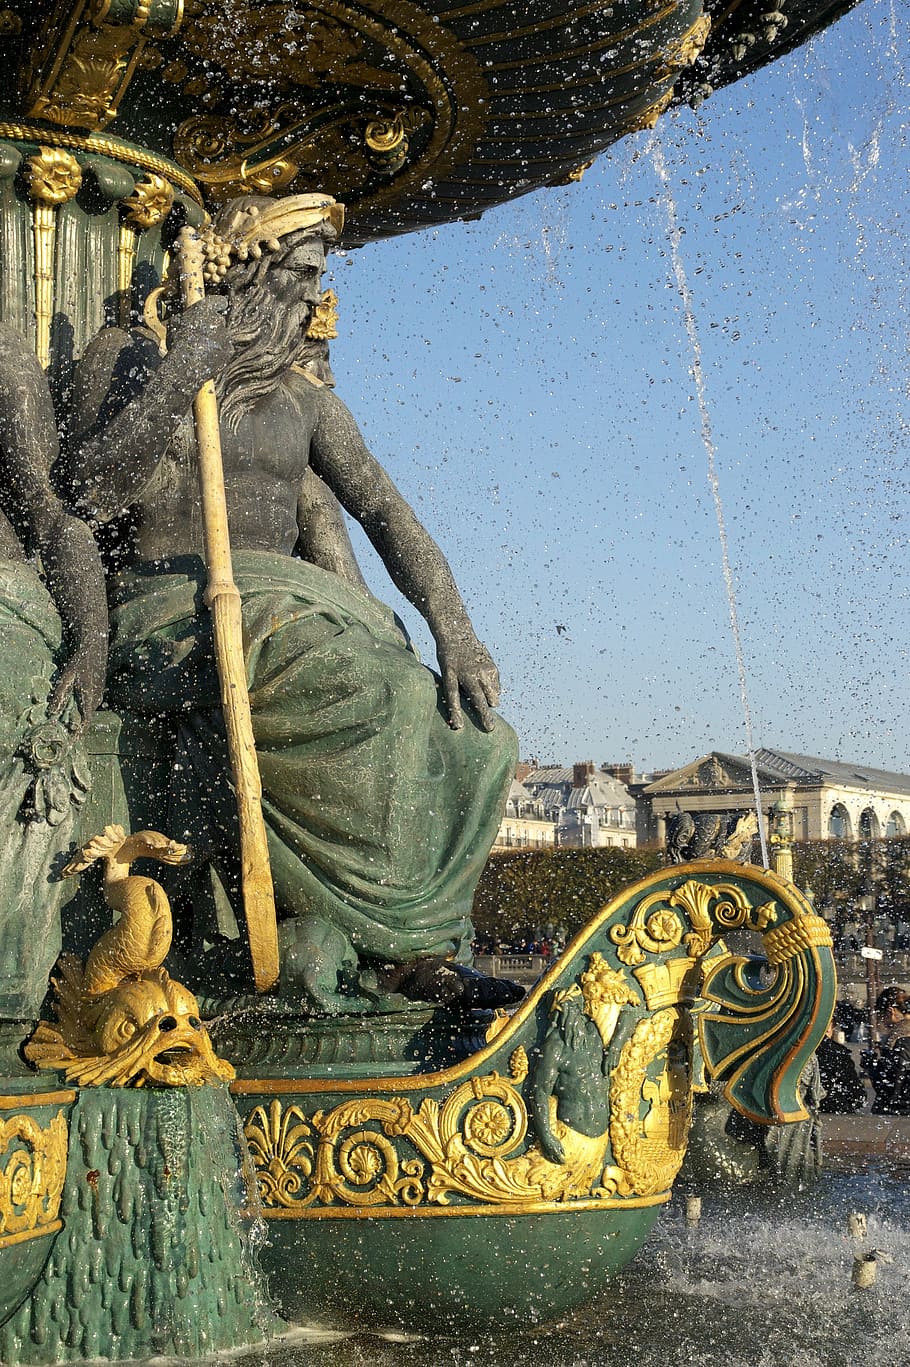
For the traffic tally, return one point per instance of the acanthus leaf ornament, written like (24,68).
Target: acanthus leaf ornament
(709,908)
(91,52)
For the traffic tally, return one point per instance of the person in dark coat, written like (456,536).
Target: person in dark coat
(888,1063)
(844,1090)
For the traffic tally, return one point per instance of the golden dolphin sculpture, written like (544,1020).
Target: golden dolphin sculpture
(122,1020)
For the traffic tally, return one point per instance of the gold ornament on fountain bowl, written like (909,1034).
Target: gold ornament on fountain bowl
(52,176)
(685,50)
(122,1020)
(150,203)
(32,1172)
(81,71)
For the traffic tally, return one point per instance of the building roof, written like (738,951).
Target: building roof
(811,769)
(549,774)
(720,771)
(600,789)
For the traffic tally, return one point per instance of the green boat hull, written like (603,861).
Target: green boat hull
(492,1273)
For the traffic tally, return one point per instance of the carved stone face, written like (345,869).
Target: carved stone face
(149,1033)
(296,278)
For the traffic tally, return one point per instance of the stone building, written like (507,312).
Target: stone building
(588,807)
(831,799)
(525,825)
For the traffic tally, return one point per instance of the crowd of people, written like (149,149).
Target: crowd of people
(531,942)
(885,1061)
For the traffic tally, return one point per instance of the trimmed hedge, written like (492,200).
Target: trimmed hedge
(521,889)
(839,872)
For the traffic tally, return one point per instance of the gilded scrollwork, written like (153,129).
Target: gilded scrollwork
(709,909)
(654,1073)
(234,154)
(93,48)
(32,1171)
(375,1152)
(303,48)
(356,100)
(653,929)
(85,91)
(467,1146)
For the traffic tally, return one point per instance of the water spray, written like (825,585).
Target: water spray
(857,1224)
(674,236)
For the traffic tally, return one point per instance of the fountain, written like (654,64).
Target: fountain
(757,1283)
(404,1156)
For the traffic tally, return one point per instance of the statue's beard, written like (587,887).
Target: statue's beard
(267,338)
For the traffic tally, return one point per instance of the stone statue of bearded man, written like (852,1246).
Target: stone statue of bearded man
(383,783)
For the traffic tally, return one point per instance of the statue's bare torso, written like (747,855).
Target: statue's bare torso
(134,451)
(265,462)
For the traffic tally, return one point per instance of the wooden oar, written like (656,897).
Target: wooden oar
(223,600)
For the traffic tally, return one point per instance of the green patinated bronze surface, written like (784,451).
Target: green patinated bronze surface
(379,815)
(429,1175)
(42,768)
(576,1110)
(498,1274)
(154,1258)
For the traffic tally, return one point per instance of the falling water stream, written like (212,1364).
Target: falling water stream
(674,236)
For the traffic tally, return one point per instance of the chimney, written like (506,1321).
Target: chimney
(523,768)
(623,773)
(582,772)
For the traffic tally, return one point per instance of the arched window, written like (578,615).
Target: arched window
(896,825)
(870,828)
(839,823)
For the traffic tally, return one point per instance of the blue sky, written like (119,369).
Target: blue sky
(527,381)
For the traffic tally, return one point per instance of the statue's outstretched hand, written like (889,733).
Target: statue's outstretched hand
(466,667)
